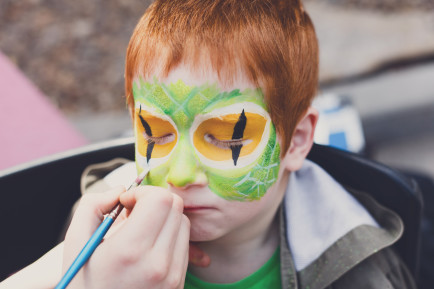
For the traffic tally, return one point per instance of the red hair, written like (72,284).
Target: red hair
(272,42)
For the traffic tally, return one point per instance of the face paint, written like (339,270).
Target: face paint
(239,128)
(188,132)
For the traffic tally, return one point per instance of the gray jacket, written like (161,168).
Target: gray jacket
(360,257)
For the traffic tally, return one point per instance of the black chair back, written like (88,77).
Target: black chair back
(37,197)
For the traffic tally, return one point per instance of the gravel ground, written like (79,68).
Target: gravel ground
(382,5)
(74,50)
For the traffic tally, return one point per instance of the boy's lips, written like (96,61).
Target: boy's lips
(194,208)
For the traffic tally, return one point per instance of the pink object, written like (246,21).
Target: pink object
(30,126)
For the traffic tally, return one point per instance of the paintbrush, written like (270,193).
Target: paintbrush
(96,238)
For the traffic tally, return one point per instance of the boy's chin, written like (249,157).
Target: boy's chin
(202,234)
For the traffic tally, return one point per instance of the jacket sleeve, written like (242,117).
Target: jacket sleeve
(380,271)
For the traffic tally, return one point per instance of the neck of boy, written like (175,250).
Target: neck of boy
(239,255)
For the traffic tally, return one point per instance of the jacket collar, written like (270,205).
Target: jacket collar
(340,226)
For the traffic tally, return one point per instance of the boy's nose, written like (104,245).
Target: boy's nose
(184,169)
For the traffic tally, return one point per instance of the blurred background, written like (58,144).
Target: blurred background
(376,55)
(62,65)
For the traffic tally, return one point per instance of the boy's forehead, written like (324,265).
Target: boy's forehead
(206,75)
(182,102)
(182,96)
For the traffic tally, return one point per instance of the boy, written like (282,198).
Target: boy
(220,95)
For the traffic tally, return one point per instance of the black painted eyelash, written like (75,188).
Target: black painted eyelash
(161,140)
(224,144)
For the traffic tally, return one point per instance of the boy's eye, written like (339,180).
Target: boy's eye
(225,144)
(229,137)
(161,140)
(156,137)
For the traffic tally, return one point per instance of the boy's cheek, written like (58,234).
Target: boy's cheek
(234,184)
(157,177)
(249,183)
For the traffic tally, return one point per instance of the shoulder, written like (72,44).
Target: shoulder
(103,176)
(381,270)
(339,237)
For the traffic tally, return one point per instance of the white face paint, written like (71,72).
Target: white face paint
(200,77)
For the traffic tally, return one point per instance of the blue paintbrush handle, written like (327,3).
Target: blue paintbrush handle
(86,252)
(96,238)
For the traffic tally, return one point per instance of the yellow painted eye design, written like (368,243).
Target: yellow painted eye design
(156,137)
(230,136)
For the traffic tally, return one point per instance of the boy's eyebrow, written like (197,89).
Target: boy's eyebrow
(148,131)
(238,134)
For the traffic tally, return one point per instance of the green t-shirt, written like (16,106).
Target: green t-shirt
(268,276)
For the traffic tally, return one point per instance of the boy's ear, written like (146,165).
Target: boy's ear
(302,141)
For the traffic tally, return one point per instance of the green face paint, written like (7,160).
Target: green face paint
(193,132)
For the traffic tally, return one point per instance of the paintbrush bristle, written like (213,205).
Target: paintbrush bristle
(140,178)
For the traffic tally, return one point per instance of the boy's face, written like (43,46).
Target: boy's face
(215,147)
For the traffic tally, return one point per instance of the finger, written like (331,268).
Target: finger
(86,220)
(165,241)
(90,212)
(197,257)
(186,257)
(131,197)
(117,224)
(184,275)
(150,208)
(179,261)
